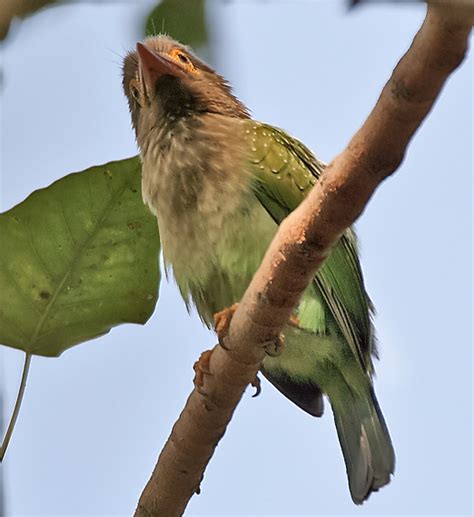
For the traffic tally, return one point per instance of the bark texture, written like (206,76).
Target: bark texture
(302,243)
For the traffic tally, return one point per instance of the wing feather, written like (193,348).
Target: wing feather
(285,170)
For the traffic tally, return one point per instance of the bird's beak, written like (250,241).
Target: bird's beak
(152,66)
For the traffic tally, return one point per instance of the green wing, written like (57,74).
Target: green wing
(285,171)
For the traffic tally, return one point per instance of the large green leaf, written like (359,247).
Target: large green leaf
(184,20)
(76,259)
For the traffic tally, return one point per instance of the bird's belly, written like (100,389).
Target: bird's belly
(214,259)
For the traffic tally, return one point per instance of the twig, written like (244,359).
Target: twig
(16,409)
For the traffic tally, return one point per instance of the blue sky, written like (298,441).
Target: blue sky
(94,420)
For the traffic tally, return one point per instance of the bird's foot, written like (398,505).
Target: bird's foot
(222,321)
(201,368)
(274,347)
(294,321)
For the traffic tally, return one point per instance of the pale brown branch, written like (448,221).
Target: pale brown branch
(303,241)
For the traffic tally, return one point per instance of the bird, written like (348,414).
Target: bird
(220,183)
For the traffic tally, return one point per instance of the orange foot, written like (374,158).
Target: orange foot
(201,368)
(294,321)
(222,321)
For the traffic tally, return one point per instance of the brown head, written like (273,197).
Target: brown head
(163,80)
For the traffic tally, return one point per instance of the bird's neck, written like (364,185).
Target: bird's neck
(190,163)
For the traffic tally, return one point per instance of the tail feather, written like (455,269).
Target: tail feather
(365,442)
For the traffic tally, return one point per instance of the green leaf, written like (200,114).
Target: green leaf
(77,258)
(184,20)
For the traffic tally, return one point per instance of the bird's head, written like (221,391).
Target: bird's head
(164,81)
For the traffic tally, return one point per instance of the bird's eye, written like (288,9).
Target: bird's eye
(178,55)
(183,58)
(135,91)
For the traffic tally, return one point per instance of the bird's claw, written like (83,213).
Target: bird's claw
(274,347)
(256,383)
(222,321)
(201,368)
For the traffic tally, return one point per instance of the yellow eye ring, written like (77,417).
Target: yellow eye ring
(180,57)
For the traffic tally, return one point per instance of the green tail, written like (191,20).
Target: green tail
(365,443)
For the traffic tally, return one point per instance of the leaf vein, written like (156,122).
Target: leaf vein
(75,259)
(13,279)
(36,251)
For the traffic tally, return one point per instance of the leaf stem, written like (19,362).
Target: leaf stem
(16,409)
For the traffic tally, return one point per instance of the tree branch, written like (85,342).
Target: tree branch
(303,241)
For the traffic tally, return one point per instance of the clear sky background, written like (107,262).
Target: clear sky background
(94,420)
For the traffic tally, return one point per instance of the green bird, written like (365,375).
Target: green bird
(220,183)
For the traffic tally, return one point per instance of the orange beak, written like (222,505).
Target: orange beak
(152,66)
